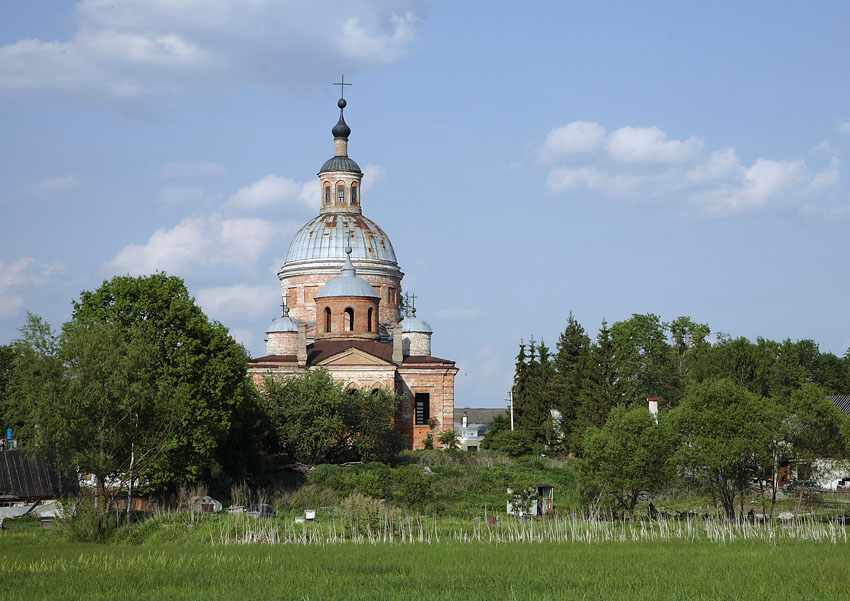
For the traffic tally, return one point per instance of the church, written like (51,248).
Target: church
(343,309)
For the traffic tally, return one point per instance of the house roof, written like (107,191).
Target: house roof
(478,416)
(26,476)
(841,401)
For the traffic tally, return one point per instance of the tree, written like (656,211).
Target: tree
(513,442)
(118,414)
(645,361)
(688,339)
(728,435)
(35,379)
(533,390)
(195,358)
(629,457)
(318,420)
(449,439)
(500,423)
(745,363)
(600,390)
(816,432)
(571,357)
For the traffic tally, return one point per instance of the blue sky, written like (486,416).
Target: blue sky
(525,160)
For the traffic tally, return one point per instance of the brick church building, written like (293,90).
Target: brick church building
(342,309)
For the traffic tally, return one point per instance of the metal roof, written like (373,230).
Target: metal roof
(414,324)
(26,476)
(842,402)
(348,284)
(282,324)
(325,237)
(340,164)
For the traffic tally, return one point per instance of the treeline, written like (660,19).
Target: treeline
(641,357)
(140,386)
(732,412)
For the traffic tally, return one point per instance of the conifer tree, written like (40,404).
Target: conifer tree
(572,350)
(601,389)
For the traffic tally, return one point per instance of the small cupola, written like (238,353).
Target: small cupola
(415,335)
(341,176)
(347,306)
(282,335)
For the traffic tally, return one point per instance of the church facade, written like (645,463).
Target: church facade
(342,308)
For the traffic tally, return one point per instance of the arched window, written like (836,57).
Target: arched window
(340,193)
(369,320)
(327,319)
(354,194)
(327,195)
(349,319)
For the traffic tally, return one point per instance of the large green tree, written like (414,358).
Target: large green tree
(645,360)
(119,413)
(191,356)
(317,420)
(728,436)
(628,458)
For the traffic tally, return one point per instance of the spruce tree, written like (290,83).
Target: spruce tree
(572,350)
(600,390)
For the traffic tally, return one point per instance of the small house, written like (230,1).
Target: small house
(535,501)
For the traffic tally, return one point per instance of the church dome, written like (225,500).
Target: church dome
(414,324)
(326,237)
(340,164)
(348,284)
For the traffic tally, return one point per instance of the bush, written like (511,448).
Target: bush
(412,487)
(367,516)
(513,442)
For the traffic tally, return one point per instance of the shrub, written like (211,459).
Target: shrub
(513,442)
(412,487)
(367,516)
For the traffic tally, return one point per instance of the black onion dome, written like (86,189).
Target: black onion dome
(341,129)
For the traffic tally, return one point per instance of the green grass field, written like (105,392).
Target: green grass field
(42,565)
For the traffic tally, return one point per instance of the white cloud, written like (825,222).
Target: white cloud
(372,176)
(176,196)
(240,300)
(55,185)
(578,137)
(642,163)
(826,179)
(192,170)
(649,144)
(24,272)
(201,242)
(844,127)
(457,314)
(275,190)
(244,336)
(373,41)
(764,182)
(131,51)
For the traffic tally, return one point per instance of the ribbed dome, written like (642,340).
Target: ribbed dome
(324,237)
(340,164)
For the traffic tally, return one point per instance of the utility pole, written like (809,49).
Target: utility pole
(510,399)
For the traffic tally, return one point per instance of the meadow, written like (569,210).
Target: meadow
(173,561)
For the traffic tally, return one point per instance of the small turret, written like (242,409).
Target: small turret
(282,335)
(416,335)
